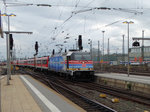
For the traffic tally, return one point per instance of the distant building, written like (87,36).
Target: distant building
(116,58)
(95,54)
(136,54)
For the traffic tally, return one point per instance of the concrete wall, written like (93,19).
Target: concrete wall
(133,86)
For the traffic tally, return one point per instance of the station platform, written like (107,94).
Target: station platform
(25,94)
(132,82)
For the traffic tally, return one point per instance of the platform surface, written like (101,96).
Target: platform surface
(25,94)
(132,78)
(16,98)
(48,99)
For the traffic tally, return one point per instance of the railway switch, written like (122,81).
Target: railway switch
(115,100)
(102,95)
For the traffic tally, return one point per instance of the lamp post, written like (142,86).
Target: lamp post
(76,43)
(102,52)
(108,51)
(103,43)
(128,22)
(123,56)
(90,42)
(8,48)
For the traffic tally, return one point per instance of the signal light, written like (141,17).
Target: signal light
(135,44)
(53,51)
(11,41)
(36,47)
(80,42)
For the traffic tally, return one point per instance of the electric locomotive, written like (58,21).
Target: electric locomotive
(75,65)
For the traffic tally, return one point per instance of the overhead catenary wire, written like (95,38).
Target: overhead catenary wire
(60,28)
(77,2)
(105,25)
(17,4)
(107,8)
(89,3)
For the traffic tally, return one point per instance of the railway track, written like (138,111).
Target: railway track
(118,92)
(55,82)
(88,104)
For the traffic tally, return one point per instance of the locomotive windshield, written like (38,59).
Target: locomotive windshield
(81,56)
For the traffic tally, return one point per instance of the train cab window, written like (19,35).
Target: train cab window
(82,57)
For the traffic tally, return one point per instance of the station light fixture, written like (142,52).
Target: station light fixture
(130,22)
(5,14)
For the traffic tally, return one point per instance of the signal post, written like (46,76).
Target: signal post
(8,51)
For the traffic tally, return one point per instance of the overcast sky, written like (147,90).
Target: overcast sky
(70,18)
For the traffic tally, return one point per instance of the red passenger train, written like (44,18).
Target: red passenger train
(41,62)
(73,65)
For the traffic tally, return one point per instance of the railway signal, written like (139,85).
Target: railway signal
(135,44)
(36,47)
(80,42)
(53,52)
(11,41)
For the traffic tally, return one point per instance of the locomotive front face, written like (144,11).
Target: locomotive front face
(80,61)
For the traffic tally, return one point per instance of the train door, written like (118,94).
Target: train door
(68,58)
(34,62)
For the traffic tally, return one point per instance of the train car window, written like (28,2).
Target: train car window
(38,61)
(44,62)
